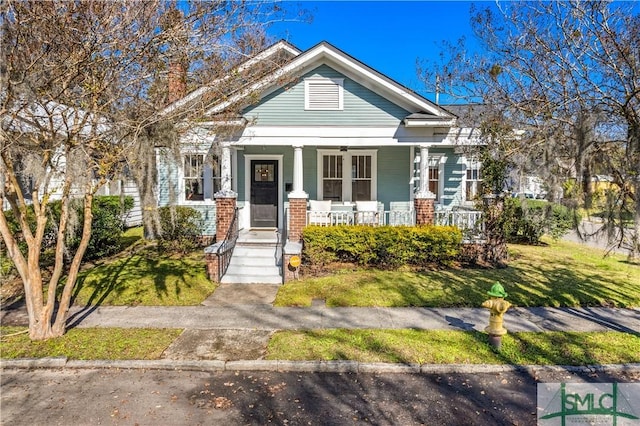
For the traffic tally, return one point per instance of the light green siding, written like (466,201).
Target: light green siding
(362,107)
(167,177)
(454,172)
(394,174)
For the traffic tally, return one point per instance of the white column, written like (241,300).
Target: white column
(424,174)
(225,173)
(298,180)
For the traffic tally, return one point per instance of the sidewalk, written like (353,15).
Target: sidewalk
(267,317)
(231,332)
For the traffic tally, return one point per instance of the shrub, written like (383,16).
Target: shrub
(108,225)
(106,228)
(181,229)
(526,221)
(383,246)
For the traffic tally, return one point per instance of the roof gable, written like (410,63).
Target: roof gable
(361,106)
(216,87)
(325,53)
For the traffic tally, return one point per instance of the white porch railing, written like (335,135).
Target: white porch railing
(468,221)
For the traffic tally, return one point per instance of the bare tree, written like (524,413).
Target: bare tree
(82,84)
(568,75)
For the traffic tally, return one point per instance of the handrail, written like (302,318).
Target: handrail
(225,250)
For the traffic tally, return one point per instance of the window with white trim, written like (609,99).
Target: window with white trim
(357,184)
(434,177)
(332,177)
(201,176)
(361,178)
(324,94)
(473,179)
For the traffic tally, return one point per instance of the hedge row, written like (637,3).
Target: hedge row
(381,246)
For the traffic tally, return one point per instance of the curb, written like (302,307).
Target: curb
(310,366)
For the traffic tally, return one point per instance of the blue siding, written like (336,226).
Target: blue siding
(362,107)
(394,174)
(167,177)
(208,214)
(168,186)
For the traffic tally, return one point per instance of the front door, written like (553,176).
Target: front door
(264,193)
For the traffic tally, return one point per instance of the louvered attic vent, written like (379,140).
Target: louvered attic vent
(323,94)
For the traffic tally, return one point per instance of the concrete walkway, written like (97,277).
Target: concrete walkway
(267,317)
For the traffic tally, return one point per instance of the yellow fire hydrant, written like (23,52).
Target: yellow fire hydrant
(497,306)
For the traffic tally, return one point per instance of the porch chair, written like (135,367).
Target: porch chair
(400,213)
(368,213)
(342,214)
(319,212)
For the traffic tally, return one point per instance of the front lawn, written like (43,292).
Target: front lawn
(393,346)
(146,278)
(558,274)
(89,343)
(455,347)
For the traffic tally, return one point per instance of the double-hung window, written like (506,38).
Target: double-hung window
(347,175)
(201,176)
(361,177)
(473,179)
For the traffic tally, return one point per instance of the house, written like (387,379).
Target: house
(28,119)
(321,127)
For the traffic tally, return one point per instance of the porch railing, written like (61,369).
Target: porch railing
(225,250)
(468,221)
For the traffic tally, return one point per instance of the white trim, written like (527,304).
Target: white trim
(245,213)
(443,122)
(346,171)
(352,136)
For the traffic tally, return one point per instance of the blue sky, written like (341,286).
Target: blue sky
(389,36)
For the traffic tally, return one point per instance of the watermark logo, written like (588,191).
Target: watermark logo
(616,404)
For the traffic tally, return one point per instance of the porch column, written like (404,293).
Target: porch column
(298,184)
(297,199)
(424,201)
(225,172)
(225,198)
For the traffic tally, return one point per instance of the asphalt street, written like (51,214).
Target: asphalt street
(168,397)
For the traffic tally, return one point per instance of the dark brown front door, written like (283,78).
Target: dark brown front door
(264,193)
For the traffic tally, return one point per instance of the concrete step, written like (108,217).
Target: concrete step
(244,251)
(262,261)
(251,279)
(253,270)
(256,259)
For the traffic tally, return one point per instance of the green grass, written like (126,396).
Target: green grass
(146,278)
(558,274)
(455,347)
(90,343)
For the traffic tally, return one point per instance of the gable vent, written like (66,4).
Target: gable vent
(324,94)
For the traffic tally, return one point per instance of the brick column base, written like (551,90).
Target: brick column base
(425,211)
(225,210)
(289,273)
(212,260)
(297,218)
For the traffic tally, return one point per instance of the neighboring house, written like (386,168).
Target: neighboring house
(55,118)
(324,126)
